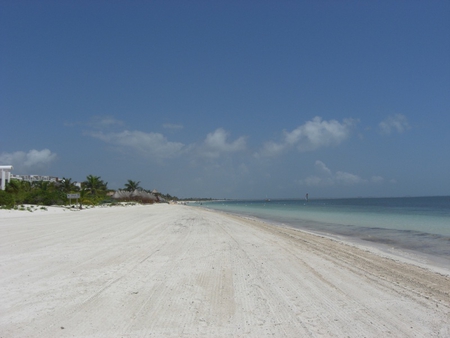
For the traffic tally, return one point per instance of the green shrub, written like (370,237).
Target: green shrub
(44,197)
(6,199)
(106,201)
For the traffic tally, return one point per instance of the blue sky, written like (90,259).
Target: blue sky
(230,99)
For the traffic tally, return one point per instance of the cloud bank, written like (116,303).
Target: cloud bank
(325,177)
(31,162)
(310,136)
(147,144)
(216,144)
(158,146)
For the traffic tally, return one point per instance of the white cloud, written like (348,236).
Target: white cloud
(159,147)
(28,163)
(216,144)
(325,177)
(150,144)
(272,149)
(98,123)
(313,181)
(342,177)
(310,136)
(317,133)
(320,166)
(397,123)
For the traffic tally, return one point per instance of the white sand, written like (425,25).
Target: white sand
(169,270)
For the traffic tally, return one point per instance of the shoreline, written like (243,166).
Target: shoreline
(173,270)
(431,262)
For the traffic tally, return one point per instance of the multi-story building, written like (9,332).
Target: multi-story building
(35,178)
(6,176)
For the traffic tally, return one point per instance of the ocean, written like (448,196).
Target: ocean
(413,225)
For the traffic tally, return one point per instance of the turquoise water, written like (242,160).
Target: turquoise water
(414,223)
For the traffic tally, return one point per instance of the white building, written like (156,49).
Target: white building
(35,178)
(6,175)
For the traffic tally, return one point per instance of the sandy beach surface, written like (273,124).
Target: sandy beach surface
(180,271)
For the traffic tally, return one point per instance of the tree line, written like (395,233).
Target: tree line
(93,191)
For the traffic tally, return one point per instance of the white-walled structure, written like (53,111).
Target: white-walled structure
(35,178)
(6,174)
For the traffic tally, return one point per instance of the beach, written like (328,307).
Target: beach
(179,271)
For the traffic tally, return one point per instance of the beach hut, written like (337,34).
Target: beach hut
(136,195)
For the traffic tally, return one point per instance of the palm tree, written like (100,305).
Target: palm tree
(19,190)
(15,190)
(132,185)
(66,185)
(94,185)
(43,186)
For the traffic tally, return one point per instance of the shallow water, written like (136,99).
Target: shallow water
(420,224)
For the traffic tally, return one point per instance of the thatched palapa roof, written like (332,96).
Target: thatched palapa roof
(136,195)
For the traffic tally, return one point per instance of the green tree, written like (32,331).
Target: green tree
(14,189)
(132,185)
(46,193)
(44,186)
(67,186)
(19,190)
(94,185)
(13,186)
(18,186)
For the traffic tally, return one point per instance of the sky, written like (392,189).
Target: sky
(230,99)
